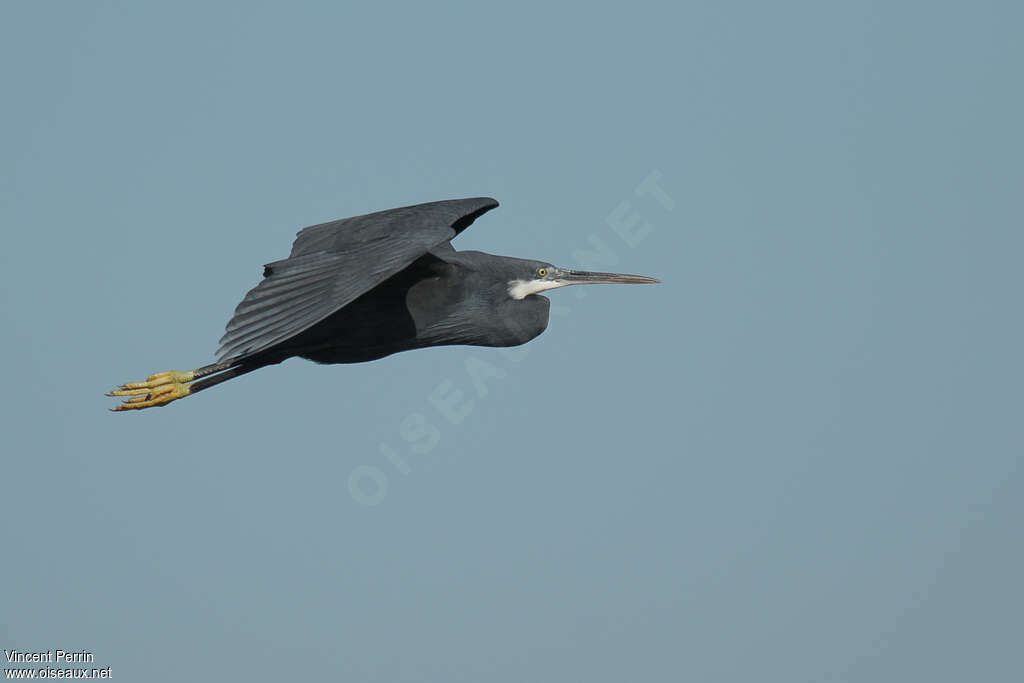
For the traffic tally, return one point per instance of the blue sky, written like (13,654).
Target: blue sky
(796,459)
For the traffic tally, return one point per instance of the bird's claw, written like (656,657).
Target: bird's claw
(159,389)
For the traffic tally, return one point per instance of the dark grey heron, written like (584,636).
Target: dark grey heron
(361,288)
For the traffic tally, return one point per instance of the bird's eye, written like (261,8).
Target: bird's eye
(543,272)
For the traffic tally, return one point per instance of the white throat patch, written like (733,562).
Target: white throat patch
(518,289)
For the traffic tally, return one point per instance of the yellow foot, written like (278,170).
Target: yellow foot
(158,390)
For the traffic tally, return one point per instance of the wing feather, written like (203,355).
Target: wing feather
(347,233)
(334,263)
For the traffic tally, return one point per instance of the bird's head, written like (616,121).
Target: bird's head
(532,277)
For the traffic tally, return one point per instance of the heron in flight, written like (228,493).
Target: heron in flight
(361,288)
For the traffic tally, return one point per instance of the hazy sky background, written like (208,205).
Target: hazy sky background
(797,459)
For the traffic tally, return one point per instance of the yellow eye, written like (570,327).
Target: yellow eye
(543,272)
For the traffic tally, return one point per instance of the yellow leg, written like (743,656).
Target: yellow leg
(158,390)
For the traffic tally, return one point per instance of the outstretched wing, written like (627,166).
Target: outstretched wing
(332,264)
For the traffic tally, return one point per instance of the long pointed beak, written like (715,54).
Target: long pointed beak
(586,277)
